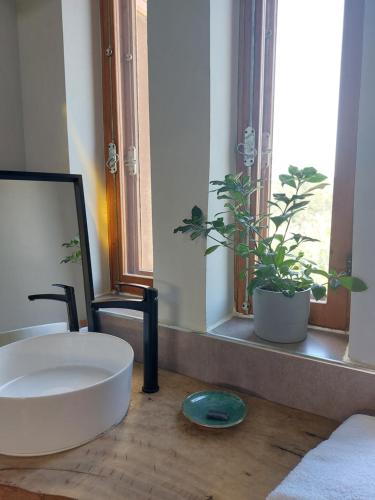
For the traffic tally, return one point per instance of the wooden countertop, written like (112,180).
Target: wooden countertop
(156,454)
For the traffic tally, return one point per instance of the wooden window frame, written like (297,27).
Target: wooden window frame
(258,20)
(116,131)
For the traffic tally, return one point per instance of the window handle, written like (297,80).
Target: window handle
(131,160)
(113,158)
(133,285)
(247,147)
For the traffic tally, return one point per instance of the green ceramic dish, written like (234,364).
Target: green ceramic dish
(197,406)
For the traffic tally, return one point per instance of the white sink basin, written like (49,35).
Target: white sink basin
(31,331)
(59,391)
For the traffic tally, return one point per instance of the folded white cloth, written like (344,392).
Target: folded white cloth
(341,468)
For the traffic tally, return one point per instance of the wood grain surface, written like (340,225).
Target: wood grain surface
(156,454)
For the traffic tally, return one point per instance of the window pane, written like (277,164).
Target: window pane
(307,81)
(137,231)
(144,180)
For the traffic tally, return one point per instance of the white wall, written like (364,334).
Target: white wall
(83,82)
(12,149)
(223,134)
(362,322)
(179,61)
(43,85)
(193,92)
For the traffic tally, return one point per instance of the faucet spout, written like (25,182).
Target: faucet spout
(47,296)
(68,297)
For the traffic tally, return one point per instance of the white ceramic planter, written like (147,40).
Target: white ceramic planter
(281,319)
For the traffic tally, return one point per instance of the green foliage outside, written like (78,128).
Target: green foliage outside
(271,243)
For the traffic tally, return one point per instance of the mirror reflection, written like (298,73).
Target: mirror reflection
(39,247)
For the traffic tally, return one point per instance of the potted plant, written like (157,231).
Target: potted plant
(281,278)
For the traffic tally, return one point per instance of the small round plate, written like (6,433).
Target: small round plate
(197,406)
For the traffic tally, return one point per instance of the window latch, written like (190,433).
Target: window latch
(131,162)
(349,265)
(113,158)
(247,147)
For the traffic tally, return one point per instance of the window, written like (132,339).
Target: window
(127,139)
(299,85)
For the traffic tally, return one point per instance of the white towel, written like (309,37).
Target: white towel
(341,468)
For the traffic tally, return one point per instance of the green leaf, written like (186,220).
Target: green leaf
(217,183)
(273,204)
(318,291)
(279,219)
(255,282)
(293,170)
(211,249)
(279,257)
(182,229)
(316,178)
(319,186)
(300,196)
(196,213)
(284,269)
(320,272)
(352,283)
(309,171)
(281,197)
(265,270)
(195,234)
(218,223)
(334,283)
(242,249)
(287,179)
(290,262)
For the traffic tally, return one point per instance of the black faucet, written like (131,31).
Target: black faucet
(149,306)
(69,298)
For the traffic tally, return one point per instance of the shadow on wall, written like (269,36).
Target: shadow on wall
(170,300)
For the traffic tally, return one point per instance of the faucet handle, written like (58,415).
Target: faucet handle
(148,291)
(132,285)
(65,287)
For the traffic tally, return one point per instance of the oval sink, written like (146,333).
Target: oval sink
(31,331)
(59,391)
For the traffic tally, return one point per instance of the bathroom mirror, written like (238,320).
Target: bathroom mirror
(43,241)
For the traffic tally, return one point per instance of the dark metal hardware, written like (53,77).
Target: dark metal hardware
(349,262)
(148,304)
(119,284)
(69,298)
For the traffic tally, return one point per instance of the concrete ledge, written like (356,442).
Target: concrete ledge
(323,387)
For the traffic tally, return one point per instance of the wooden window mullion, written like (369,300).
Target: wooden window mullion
(336,312)
(120,127)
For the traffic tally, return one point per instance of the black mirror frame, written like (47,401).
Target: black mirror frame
(76,180)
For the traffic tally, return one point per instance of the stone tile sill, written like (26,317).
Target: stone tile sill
(312,376)
(319,344)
